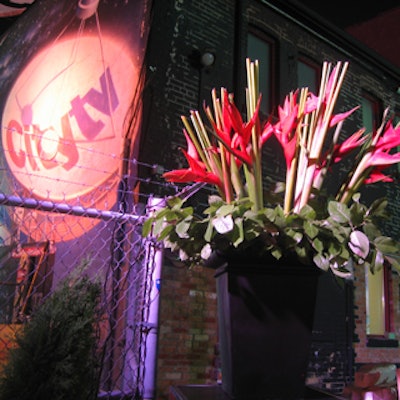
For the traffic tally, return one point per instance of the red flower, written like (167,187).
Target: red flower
(236,134)
(377,176)
(196,172)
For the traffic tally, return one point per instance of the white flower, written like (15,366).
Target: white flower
(206,251)
(182,255)
(223,224)
(359,244)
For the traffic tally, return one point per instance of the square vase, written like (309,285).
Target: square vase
(265,317)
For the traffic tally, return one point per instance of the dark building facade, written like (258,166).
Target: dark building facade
(297,43)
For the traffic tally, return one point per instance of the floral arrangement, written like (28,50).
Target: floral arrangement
(295,216)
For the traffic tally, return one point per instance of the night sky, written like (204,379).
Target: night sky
(344,13)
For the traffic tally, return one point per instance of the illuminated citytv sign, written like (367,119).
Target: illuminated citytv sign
(64,116)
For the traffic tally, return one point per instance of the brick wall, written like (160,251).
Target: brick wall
(363,353)
(188,334)
(180,28)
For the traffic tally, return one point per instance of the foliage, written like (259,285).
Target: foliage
(334,232)
(327,236)
(56,357)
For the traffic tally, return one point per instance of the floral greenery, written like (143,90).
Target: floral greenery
(331,232)
(325,237)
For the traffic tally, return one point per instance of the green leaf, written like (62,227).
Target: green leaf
(356,197)
(378,208)
(240,233)
(371,230)
(296,236)
(270,214)
(310,229)
(158,227)
(386,245)
(276,252)
(339,212)
(357,214)
(301,252)
(225,210)
(333,248)
(321,262)
(318,245)
(209,232)
(147,226)
(183,227)
(307,212)
(186,212)
(165,232)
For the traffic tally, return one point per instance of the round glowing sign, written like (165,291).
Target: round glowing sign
(63,118)
(62,125)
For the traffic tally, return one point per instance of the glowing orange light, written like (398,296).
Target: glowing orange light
(63,120)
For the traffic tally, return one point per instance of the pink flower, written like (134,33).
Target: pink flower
(342,116)
(390,137)
(284,129)
(346,147)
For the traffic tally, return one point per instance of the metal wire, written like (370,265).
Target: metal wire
(42,241)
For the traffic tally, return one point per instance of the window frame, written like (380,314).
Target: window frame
(313,65)
(374,339)
(272,79)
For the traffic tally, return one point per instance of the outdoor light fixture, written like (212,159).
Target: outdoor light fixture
(207,59)
(202,58)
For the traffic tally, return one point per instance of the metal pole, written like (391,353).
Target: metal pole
(150,324)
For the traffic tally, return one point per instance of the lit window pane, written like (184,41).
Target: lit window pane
(306,76)
(258,49)
(368,114)
(375,298)
(376,302)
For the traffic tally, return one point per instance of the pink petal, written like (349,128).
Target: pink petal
(377,176)
(191,149)
(311,103)
(390,138)
(340,117)
(380,158)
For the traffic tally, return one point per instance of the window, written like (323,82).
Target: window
(308,74)
(371,111)
(378,294)
(261,48)
(377,297)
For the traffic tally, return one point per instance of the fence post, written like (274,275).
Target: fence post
(154,264)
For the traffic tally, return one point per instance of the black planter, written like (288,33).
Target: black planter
(265,316)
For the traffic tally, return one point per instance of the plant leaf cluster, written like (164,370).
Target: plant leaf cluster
(326,233)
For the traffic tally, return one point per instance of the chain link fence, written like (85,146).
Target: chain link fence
(43,240)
